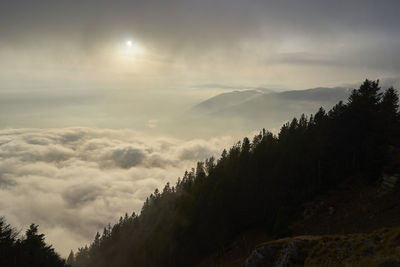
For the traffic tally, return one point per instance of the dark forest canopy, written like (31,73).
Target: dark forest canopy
(27,251)
(258,183)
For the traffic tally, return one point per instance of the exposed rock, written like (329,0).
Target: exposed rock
(260,255)
(281,253)
(288,255)
(379,248)
(388,184)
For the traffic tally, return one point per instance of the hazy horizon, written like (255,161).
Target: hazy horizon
(96,97)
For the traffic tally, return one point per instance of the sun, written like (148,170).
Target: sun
(130,49)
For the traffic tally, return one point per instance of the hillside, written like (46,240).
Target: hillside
(232,102)
(261,185)
(353,209)
(246,110)
(226,100)
(378,248)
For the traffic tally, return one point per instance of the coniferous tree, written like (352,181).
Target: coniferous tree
(262,184)
(28,251)
(71,259)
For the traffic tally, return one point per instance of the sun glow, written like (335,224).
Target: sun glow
(130,50)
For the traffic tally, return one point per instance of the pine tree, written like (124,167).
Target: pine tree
(71,258)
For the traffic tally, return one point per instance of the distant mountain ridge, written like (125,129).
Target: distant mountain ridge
(229,99)
(240,99)
(254,109)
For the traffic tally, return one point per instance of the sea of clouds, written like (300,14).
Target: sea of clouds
(74,181)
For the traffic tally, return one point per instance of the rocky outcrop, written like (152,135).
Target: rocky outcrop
(261,255)
(379,248)
(388,184)
(282,252)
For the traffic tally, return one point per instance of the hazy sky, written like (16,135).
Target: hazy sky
(69,60)
(131,66)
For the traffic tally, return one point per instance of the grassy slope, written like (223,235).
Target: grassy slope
(338,227)
(378,248)
(351,208)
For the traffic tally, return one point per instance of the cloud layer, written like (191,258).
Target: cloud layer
(73,181)
(257,42)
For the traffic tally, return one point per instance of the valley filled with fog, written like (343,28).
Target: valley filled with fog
(103,102)
(77,179)
(71,181)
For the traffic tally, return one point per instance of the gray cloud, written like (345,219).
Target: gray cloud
(198,27)
(81,194)
(73,181)
(127,157)
(61,67)
(177,18)
(64,63)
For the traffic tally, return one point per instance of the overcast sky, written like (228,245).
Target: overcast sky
(75,54)
(133,65)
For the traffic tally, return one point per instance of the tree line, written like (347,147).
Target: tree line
(256,183)
(29,250)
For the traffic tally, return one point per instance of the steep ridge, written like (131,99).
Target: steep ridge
(354,225)
(264,186)
(330,230)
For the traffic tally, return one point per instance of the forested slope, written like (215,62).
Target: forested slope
(260,183)
(26,251)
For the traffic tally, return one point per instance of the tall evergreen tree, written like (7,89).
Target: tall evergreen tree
(29,251)
(256,184)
